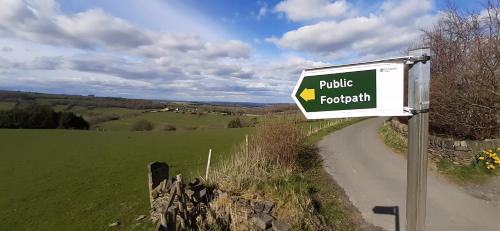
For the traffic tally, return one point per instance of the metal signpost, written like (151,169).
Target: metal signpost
(377,89)
(418,128)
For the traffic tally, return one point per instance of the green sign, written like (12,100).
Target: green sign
(338,91)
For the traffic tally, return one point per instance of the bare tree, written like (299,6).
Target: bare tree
(465,89)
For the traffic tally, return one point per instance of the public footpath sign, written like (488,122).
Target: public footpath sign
(371,89)
(376,88)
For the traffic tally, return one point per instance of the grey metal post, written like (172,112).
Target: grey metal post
(418,126)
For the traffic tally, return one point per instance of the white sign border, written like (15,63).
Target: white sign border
(345,113)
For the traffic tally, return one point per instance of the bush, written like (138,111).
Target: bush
(465,99)
(268,164)
(168,127)
(281,142)
(68,120)
(235,123)
(142,125)
(239,123)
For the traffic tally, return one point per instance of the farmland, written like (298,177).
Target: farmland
(52,179)
(86,179)
(181,121)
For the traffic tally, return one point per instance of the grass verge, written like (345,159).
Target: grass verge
(393,139)
(306,195)
(462,174)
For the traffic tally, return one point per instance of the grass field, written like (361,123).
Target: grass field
(6,105)
(181,121)
(84,180)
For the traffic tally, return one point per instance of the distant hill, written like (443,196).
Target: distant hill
(20,97)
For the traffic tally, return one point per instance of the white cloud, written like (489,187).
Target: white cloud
(393,29)
(304,10)
(93,52)
(95,29)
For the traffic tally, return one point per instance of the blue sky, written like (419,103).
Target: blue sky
(250,51)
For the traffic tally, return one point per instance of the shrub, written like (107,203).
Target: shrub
(235,123)
(142,125)
(239,123)
(270,169)
(281,142)
(69,120)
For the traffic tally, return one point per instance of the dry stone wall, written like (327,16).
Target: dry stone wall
(461,151)
(176,206)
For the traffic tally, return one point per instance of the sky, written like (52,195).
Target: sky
(211,50)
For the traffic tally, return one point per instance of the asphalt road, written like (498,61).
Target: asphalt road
(373,175)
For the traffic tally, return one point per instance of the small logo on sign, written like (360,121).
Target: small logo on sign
(387,69)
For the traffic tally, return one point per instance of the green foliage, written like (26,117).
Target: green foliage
(235,123)
(68,120)
(242,122)
(40,117)
(393,139)
(55,179)
(488,159)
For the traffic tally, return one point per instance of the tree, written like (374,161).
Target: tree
(68,120)
(40,117)
(465,85)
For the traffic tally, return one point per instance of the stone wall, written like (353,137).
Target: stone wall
(461,151)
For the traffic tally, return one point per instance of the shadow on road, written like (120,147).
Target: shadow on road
(388,210)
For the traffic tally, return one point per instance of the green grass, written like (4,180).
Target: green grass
(181,121)
(84,180)
(464,173)
(88,113)
(6,105)
(458,173)
(122,112)
(393,139)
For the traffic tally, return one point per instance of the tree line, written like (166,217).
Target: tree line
(41,117)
